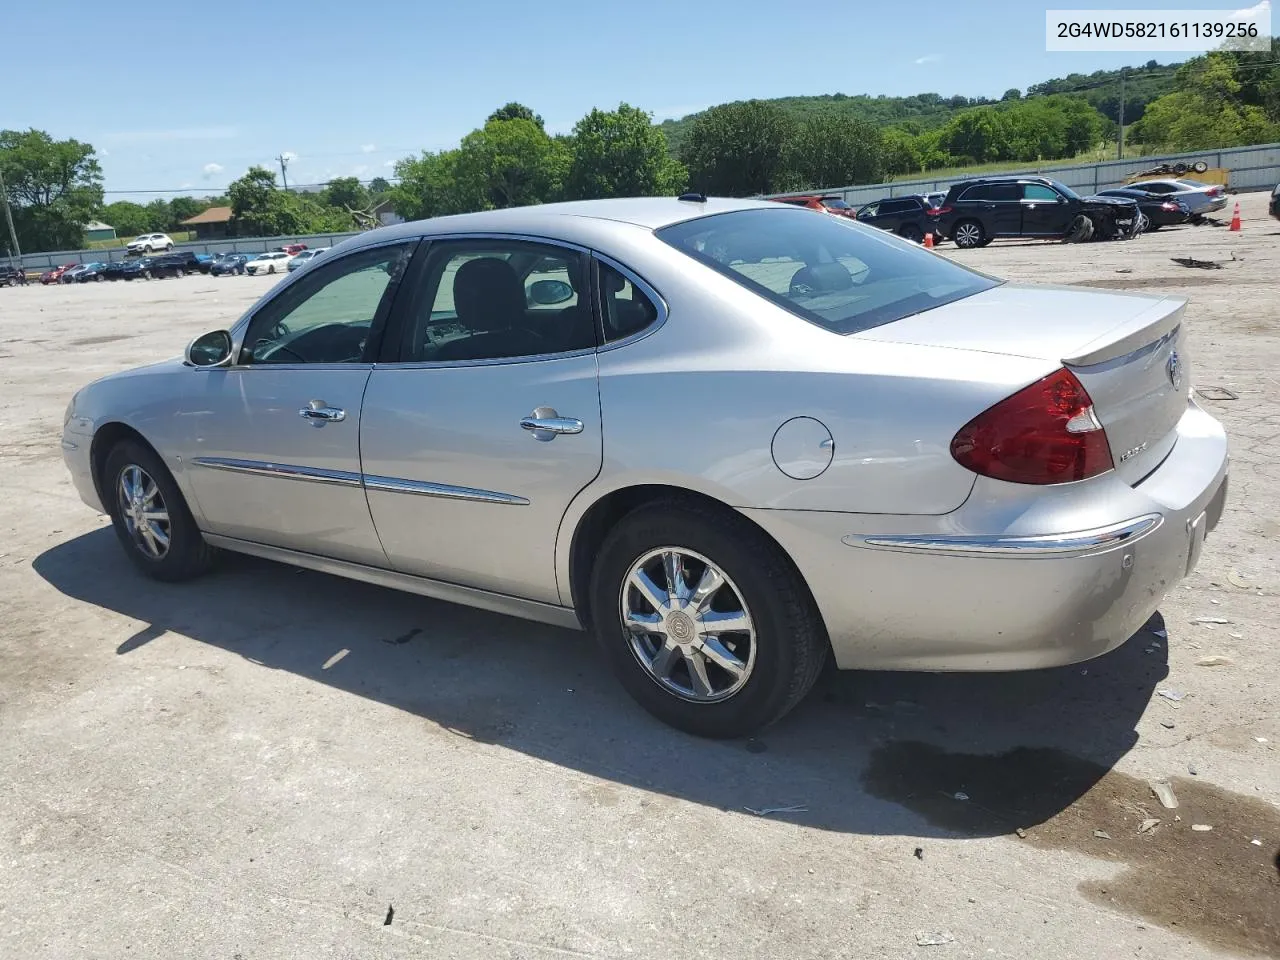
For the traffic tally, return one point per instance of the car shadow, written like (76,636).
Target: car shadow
(546,693)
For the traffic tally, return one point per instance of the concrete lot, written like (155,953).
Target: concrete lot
(189,771)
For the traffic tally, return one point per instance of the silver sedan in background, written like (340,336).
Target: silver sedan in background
(729,438)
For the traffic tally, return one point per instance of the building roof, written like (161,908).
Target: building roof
(212,215)
(98,225)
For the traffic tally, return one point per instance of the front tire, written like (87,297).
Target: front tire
(271,269)
(968,234)
(179,273)
(911,233)
(704,620)
(150,516)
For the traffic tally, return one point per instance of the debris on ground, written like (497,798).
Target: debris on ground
(1161,633)
(1210,620)
(1236,579)
(1170,694)
(1257,842)
(1214,661)
(1125,270)
(919,853)
(1197,264)
(1102,835)
(766,811)
(1193,769)
(1167,724)
(1201,827)
(1022,834)
(925,938)
(960,795)
(391,912)
(1164,793)
(1260,739)
(1149,824)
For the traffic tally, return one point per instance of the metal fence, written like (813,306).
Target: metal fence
(1252,168)
(43,261)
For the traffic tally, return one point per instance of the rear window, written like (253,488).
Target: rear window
(829,270)
(835,203)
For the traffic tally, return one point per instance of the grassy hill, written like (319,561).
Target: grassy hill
(925,111)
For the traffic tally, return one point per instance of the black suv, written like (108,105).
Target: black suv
(183,261)
(908,217)
(975,212)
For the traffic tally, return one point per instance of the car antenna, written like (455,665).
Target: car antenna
(693,197)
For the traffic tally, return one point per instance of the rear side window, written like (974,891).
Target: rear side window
(980,191)
(1005,191)
(828,270)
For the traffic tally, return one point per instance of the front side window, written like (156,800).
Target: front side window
(1038,191)
(328,316)
(828,270)
(498,299)
(1005,192)
(870,210)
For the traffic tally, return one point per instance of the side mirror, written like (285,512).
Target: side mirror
(210,350)
(548,292)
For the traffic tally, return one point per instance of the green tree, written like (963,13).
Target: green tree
(429,187)
(55,187)
(159,215)
(829,151)
(979,135)
(620,153)
(515,111)
(129,219)
(738,149)
(1209,109)
(184,208)
(259,209)
(897,152)
(511,163)
(378,186)
(1013,93)
(345,193)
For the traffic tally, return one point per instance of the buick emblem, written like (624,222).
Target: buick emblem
(1174,369)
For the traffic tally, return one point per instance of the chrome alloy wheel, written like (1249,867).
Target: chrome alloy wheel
(968,235)
(687,625)
(143,510)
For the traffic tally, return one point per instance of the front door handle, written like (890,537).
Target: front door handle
(545,424)
(320,413)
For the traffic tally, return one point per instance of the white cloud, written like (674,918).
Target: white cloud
(368,148)
(211,169)
(678,111)
(390,163)
(104,153)
(358,169)
(927,58)
(289,156)
(1252,13)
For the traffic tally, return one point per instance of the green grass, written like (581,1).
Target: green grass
(1101,155)
(119,243)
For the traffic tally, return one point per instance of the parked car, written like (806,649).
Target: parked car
(95,272)
(1035,466)
(908,217)
(54,275)
(293,248)
(150,243)
(826,204)
(273,261)
(184,262)
(1161,210)
(74,274)
(1201,198)
(303,257)
(1274,208)
(225,263)
(11,275)
(977,211)
(151,268)
(116,268)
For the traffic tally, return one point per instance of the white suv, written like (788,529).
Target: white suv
(150,243)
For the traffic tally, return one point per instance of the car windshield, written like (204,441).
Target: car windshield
(829,270)
(1063,189)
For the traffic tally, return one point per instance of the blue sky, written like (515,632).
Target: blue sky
(186,96)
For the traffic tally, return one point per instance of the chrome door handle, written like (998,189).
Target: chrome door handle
(545,424)
(320,413)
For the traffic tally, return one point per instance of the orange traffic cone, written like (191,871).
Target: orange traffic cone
(928,241)
(1235,219)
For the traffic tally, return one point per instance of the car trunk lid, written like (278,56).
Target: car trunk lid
(1127,350)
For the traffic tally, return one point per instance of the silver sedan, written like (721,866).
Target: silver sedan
(730,438)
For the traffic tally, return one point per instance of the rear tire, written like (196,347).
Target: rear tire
(747,678)
(911,233)
(968,234)
(179,272)
(271,269)
(150,516)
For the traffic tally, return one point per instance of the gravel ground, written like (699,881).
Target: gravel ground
(189,772)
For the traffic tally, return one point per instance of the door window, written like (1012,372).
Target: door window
(1039,192)
(496,300)
(1005,191)
(329,315)
(624,307)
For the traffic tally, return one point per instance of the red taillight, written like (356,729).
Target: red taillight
(939,211)
(1214,191)
(1044,433)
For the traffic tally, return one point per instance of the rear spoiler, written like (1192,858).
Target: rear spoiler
(1132,334)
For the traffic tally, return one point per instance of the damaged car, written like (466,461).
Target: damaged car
(977,211)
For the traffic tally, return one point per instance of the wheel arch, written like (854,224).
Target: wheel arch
(105,438)
(575,554)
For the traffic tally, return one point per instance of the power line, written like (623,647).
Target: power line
(216,190)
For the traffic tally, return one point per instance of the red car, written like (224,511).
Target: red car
(293,249)
(54,275)
(825,203)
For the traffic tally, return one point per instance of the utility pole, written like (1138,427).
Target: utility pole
(8,216)
(1120,143)
(284,169)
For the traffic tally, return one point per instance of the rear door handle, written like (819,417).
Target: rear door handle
(320,413)
(545,424)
